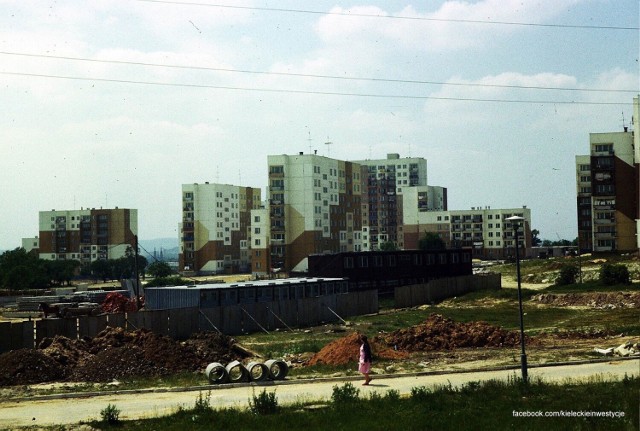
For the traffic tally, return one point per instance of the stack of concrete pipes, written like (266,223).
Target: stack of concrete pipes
(237,372)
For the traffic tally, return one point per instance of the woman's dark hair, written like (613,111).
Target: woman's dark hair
(366,348)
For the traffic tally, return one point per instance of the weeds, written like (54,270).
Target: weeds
(345,394)
(110,415)
(265,403)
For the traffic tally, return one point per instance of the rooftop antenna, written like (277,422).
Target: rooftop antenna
(624,124)
(328,144)
(309,139)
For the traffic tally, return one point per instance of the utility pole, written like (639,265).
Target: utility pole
(135,265)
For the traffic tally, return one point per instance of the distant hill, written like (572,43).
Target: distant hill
(167,247)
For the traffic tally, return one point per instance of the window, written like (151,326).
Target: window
(348,262)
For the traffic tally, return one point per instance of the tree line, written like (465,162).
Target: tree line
(20,270)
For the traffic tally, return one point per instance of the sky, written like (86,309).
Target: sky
(120,102)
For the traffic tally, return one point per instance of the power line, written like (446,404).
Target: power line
(307,75)
(324,93)
(413,18)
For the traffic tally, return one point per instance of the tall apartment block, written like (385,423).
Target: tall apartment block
(482,229)
(385,182)
(86,235)
(314,207)
(215,232)
(608,189)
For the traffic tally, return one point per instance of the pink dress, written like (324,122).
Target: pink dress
(363,367)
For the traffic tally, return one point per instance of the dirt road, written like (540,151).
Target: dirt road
(145,404)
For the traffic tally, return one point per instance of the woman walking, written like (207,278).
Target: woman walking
(364,364)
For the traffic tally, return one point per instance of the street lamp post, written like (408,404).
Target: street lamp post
(515,222)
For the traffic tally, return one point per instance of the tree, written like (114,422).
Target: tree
(159,269)
(21,270)
(567,275)
(388,246)
(431,241)
(61,271)
(535,240)
(611,274)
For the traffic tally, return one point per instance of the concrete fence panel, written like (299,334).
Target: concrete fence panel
(247,312)
(49,328)
(90,326)
(22,335)
(308,312)
(211,319)
(118,320)
(182,322)
(5,336)
(232,317)
(327,304)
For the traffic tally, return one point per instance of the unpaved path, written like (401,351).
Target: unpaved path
(146,404)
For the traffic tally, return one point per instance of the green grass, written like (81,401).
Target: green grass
(489,405)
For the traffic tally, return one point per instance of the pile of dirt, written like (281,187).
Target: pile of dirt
(606,300)
(347,349)
(441,333)
(28,366)
(115,354)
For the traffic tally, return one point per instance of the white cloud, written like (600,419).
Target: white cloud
(434,31)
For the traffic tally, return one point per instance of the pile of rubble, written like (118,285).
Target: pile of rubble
(115,354)
(623,350)
(603,300)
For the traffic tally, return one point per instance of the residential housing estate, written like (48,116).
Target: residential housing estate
(318,205)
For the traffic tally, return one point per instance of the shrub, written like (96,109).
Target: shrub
(611,274)
(264,404)
(345,394)
(419,393)
(567,275)
(203,403)
(110,414)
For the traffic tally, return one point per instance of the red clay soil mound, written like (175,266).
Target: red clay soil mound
(441,333)
(347,349)
(116,354)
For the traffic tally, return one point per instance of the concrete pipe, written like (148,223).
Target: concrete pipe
(258,371)
(237,372)
(216,373)
(278,369)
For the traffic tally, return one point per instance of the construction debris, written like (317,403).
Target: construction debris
(114,354)
(602,300)
(623,350)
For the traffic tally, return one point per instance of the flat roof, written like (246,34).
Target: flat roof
(251,283)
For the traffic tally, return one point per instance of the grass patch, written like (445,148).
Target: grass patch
(489,405)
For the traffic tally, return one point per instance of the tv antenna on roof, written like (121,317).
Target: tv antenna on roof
(328,144)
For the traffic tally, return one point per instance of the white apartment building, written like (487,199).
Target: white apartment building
(314,207)
(215,232)
(484,229)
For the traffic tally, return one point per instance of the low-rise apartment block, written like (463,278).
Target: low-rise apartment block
(87,235)
(483,229)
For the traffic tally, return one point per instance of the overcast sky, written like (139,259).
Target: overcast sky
(119,103)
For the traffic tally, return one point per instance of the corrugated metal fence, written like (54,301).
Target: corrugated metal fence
(443,288)
(181,323)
